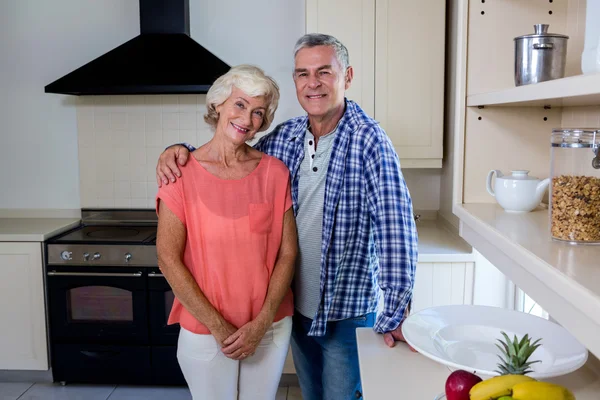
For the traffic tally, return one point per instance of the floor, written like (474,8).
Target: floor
(50,391)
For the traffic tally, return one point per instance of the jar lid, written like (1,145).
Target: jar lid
(576,137)
(541,31)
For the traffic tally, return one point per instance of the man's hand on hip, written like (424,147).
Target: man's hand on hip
(391,337)
(166,168)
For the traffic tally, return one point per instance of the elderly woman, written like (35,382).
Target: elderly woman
(227,245)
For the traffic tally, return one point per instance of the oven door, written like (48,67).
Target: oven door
(163,337)
(161,302)
(97,305)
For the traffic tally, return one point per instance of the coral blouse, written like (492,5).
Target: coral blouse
(234,230)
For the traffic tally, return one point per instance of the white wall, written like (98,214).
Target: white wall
(491,287)
(424,187)
(41,41)
(259,32)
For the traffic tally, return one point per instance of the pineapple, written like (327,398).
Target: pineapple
(516,354)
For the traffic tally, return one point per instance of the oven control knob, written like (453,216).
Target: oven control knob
(96,256)
(86,256)
(66,255)
(127,257)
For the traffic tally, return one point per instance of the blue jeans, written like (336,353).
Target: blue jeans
(327,366)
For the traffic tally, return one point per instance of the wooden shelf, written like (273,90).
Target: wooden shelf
(581,90)
(564,279)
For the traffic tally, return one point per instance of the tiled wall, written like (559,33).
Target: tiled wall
(120,139)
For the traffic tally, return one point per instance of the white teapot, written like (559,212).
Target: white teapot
(517,192)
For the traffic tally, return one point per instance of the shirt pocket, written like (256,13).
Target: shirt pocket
(260,216)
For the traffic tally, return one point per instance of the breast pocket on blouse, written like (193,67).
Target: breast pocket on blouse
(261,217)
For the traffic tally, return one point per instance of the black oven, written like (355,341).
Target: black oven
(161,299)
(98,305)
(165,368)
(108,306)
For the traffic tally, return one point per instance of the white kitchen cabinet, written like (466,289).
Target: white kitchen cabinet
(409,77)
(442,283)
(353,23)
(23,339)
(397,49)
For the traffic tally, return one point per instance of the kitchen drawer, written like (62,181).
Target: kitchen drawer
(101,364)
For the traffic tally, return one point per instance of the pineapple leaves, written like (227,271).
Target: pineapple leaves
(515,353)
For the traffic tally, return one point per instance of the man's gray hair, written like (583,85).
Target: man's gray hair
(320,39)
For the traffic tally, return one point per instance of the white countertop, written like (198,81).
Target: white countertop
(398,373)
(33,229)
(438,244)
(564,278)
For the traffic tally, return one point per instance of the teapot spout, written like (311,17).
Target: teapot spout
(541,189)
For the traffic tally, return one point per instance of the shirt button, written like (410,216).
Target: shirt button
(315,169)
(310,142)
(313,156)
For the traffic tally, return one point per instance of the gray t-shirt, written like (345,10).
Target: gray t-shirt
(309,221)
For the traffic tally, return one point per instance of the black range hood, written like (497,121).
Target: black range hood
(163,59)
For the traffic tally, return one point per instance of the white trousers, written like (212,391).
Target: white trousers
(212,376)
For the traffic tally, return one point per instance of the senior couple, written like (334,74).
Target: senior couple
(318,208)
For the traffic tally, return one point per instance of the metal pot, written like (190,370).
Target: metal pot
(540,57)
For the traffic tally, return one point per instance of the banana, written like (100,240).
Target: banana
(497,386)
(505,398)
(541,391)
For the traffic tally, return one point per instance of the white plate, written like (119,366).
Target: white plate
(464,337)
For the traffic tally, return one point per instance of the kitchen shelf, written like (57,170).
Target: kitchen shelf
(581,90)
(564,279)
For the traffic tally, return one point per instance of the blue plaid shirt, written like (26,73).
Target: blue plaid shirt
(369,237)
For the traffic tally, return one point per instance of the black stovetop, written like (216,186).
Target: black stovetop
(108,233)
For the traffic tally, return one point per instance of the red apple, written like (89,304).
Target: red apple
(459,383)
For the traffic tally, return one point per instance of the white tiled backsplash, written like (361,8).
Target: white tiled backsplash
(120,139)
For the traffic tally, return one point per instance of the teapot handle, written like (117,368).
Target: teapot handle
(488,182)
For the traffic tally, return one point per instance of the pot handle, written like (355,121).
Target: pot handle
(543,46)
(488,182)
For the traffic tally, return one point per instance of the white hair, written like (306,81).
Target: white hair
(249,79)
(319,39)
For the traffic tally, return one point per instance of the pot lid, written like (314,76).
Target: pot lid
(519,175)
(541,31)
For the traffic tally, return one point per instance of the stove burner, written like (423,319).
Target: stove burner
(112,233)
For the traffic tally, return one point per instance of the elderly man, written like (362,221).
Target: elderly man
(354,216)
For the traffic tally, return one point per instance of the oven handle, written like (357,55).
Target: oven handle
(155,275)
(124,275)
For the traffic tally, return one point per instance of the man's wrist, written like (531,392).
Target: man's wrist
(184,144)
(188,146)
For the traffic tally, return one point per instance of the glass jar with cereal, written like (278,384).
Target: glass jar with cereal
(575,186)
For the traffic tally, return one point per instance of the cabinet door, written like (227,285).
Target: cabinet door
(352,22)
(22,312)
(409,76)
(443,283)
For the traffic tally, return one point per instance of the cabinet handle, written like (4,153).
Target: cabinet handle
(99,354)
(117,275)
(155,275)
